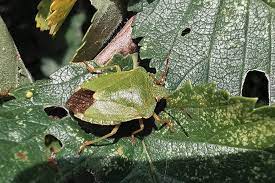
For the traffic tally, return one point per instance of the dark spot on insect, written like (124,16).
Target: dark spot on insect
(56,112)
(5,93)
(22,156)
(53,143)
(256,85)
(185,31)
(80,101)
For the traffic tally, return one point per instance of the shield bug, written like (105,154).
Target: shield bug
(117,97)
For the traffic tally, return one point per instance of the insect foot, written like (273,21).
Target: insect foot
(87,143)
(83,146)
(169,123)
(141,127)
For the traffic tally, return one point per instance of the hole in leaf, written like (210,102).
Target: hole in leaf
(256,85)
(56,112)
(185,31)
(4,99)
(53,143)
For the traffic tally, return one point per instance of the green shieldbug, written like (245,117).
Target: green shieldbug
(117,97)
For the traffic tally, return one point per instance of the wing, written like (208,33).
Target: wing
(108,113)
(132,90)
(121,97)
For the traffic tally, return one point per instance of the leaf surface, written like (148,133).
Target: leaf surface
(12,69)
(208,41)
(222,132)
(213,116)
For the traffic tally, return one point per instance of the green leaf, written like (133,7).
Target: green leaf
(12,69)
(162,156)
(105,21)
(61,85)
(213,116)
(226,40)
(24,127)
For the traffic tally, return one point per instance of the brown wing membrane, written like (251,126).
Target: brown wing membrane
(80,101)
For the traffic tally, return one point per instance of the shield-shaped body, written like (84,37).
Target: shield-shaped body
(120,97)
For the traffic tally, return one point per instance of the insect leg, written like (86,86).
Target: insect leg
(141,127)
(161,121)
(163,76)
(87,143)
(135,60)
(118,69)
(89,67)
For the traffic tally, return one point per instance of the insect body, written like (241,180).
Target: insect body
(114,98)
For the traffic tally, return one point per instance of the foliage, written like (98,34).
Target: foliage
(222,131)
(208,41)
(216,137)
